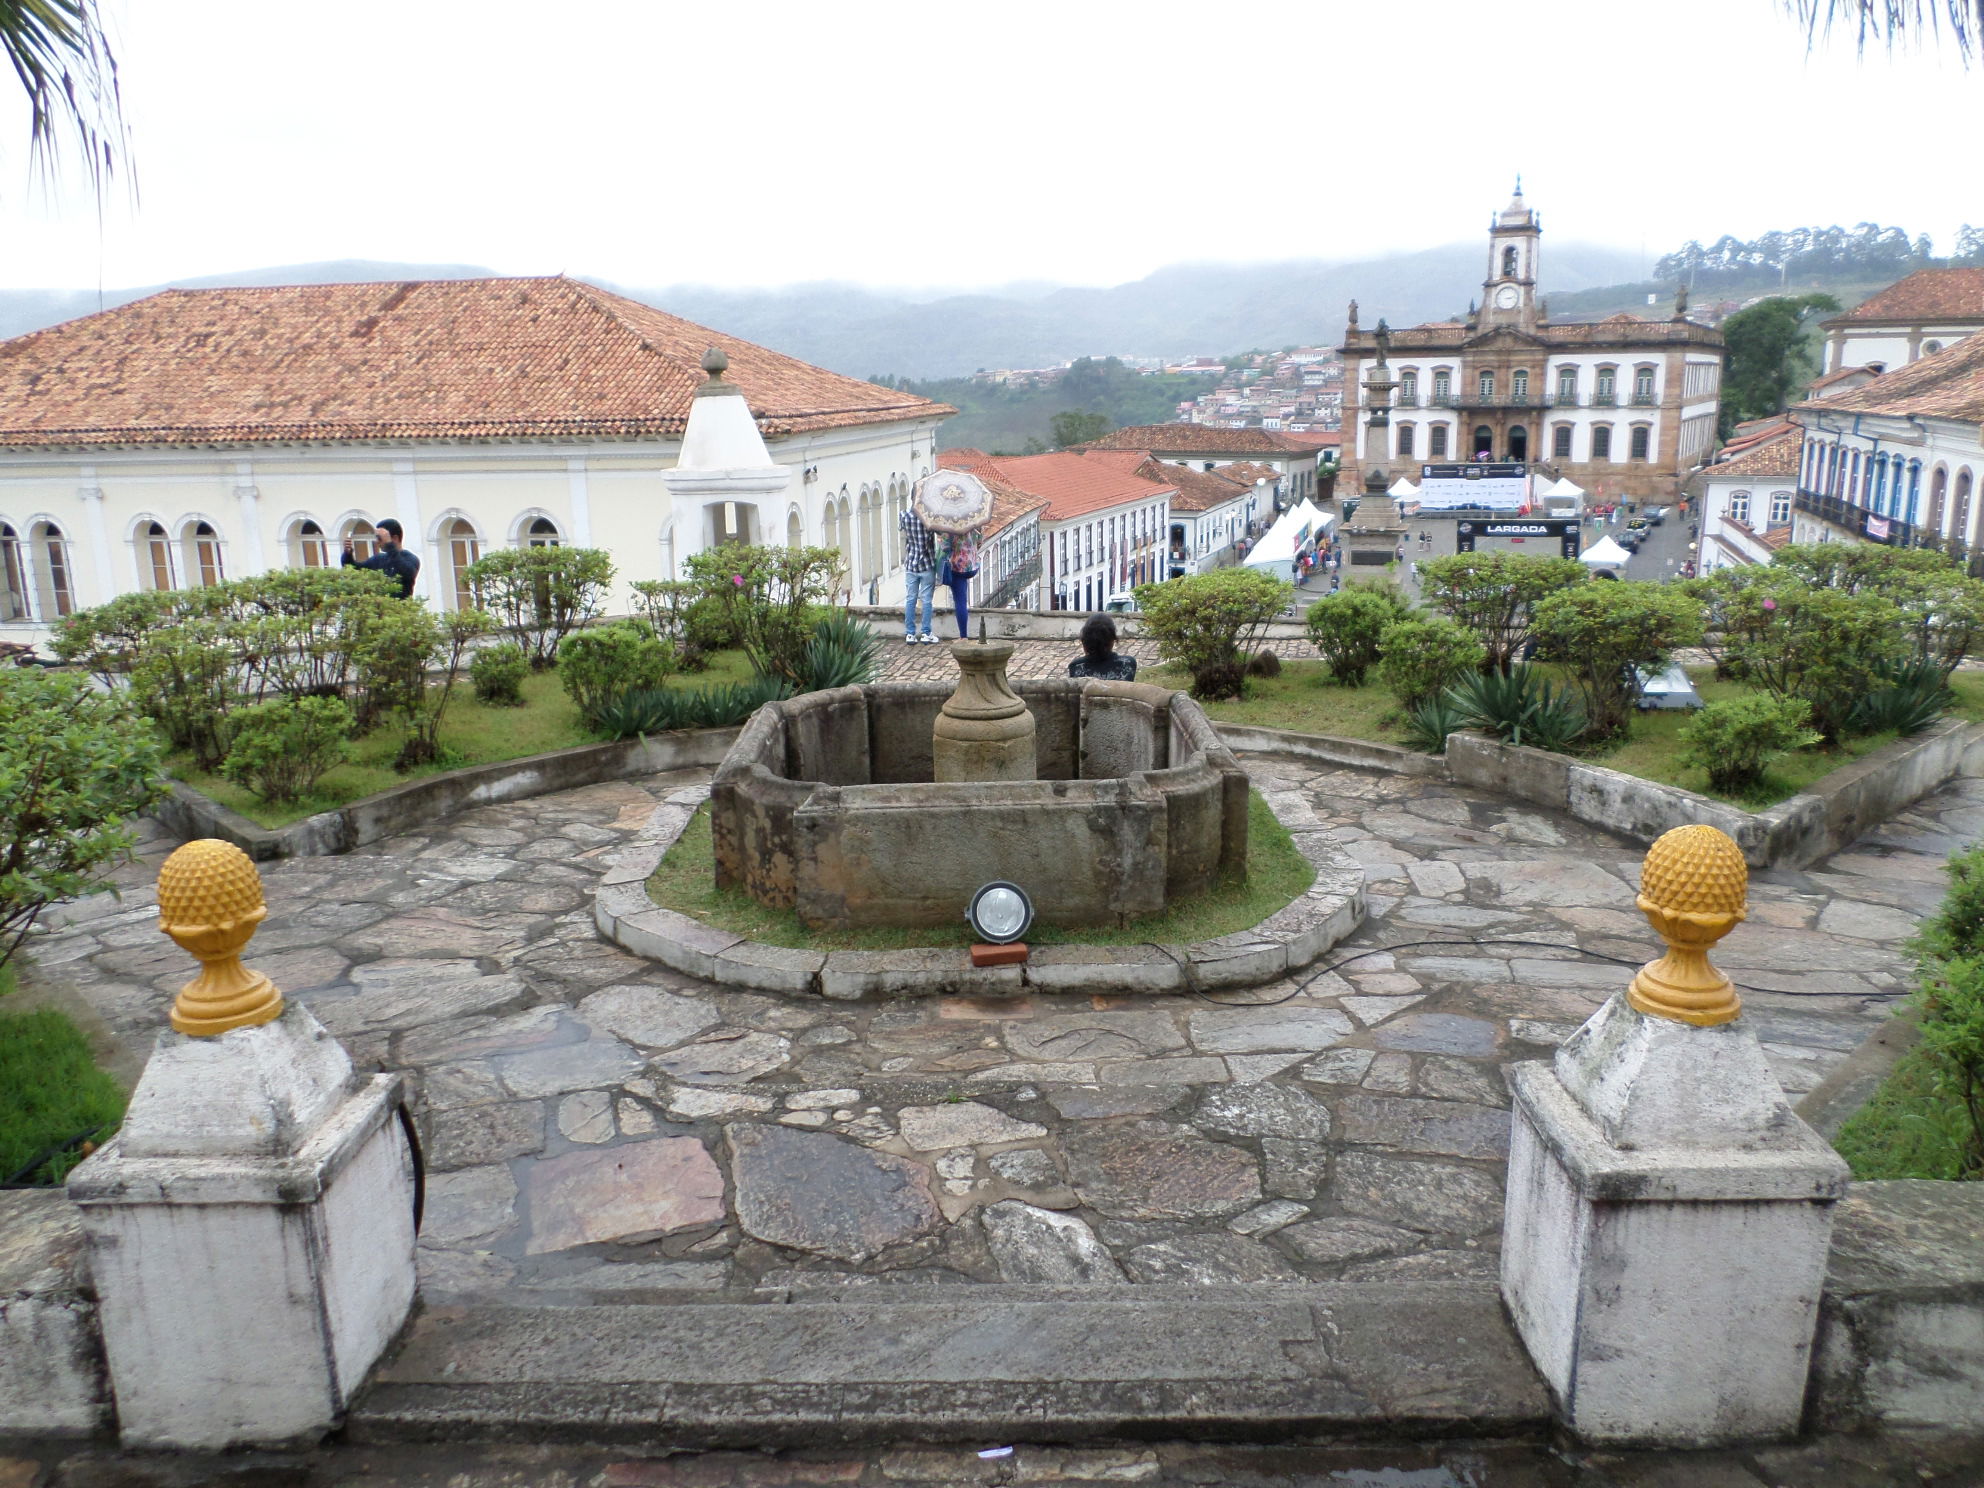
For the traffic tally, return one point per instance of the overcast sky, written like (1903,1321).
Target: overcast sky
(762,142)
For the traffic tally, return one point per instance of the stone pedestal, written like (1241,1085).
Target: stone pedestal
(985,731)
(250,1231)
(1668,1224)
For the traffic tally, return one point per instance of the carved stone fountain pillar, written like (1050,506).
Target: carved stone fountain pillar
(985,731)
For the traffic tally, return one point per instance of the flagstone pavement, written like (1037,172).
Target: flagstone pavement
(594,1124)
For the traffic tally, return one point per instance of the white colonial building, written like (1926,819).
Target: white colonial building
(1744,500)
(1102,530)
(1925,313)
(1210,509)
(199,435)
(1899,459)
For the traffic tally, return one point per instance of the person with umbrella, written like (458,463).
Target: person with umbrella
(959,568)
(956,505)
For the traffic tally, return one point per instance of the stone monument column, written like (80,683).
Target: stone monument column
(1669,1217)
(986,730)
(251,1227)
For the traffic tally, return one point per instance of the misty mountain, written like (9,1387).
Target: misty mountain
(1182,310)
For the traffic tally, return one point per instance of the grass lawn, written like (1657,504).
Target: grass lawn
(686,882)
(1912,1128)
(472,733)
(50,1091)
(1302,699)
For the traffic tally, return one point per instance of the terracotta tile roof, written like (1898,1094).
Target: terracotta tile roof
(1327,439)
(1946,384)
(1776,537)
(1127,460)
(1196,490)
(1205,439)
(1927,294)
(1773,457)
(1838,375)
(1070,484)
(1247,472)
(444,359)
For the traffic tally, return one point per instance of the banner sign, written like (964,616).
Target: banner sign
(1495,485)
(1518,529)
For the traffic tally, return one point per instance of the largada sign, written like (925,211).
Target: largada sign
(1494,486)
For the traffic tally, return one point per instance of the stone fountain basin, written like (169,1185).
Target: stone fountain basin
(825,806)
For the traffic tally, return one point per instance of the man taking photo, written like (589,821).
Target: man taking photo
(392,557)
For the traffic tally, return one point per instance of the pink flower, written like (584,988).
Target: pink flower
(1770,604)
(738,580)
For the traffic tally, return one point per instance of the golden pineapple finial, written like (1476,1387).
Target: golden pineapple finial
(210,902)
(1693,888)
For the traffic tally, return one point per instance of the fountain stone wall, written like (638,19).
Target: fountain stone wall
(825,805)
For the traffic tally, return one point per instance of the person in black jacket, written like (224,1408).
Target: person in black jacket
(392,557)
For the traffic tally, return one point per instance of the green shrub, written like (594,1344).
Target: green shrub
(1950,949)
(107,639)
(75,764)
(844,653)
(540,595)
(1521,707)
(1495,595)
(1828,646)
(603,662)
(1427,723)
(694,624)
(1346,627)
(1211,622)
(1602,632)
(1736,740)
(280,748)
(184,679)
(773,598)
(1420,659)
(498,673)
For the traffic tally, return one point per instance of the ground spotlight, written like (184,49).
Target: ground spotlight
(1000,912)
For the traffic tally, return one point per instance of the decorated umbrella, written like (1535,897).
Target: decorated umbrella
(953,501)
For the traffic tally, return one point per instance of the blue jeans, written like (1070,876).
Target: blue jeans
(918,583)
(961,604)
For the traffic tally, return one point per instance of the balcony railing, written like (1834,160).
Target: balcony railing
(1501,400)
(1565,398)
(1441,399)
(1405,400)
(1604,400)
(1845,514)
(1644,400)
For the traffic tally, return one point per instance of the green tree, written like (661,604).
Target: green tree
(1767,355)
(1493,595)
(1603,631)
(1736,739)
(1211,623)
(774,597)
(75,765)
(1346,628)
(65,66)
(1420,659)
(541,595)
(1074,427)
(1826,646)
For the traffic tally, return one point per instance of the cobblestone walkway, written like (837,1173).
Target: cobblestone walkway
(597,1125)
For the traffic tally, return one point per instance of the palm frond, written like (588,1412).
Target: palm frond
(1890,23)
(66,68)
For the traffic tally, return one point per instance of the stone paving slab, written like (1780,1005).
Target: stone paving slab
(1179,1135)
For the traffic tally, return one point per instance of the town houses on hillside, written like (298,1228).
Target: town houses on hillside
(1624,407)
(201,434)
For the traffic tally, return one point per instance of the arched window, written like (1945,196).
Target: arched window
(1959,528)
(1405,441)
(1853,492)
(156,570)
(1486,382)
(1643,385)
(896,508)
(1408,389)
(1601,442)
(1567,386)
(461,545)
(1519,384)
(1606,391)
(1509,262)
(201,546)
(1443,387)
(850,539)
(364,541)
(1436,442)
(53,590)
(1780,508)
(830,533)
(795,532)
(1939,483)
(542,533)
(1914,490)
(1641,442)
(1484,442)
(308,547)
(1560,442)
(13,580)
(1739,507)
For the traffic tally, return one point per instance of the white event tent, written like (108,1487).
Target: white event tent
(1299,525)
(1604,553)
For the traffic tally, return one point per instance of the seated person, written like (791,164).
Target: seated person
(1099,659)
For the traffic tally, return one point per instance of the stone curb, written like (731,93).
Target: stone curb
(1293,938)
(189,814)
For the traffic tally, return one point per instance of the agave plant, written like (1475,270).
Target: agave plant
(1915,696)
(1428,723)
(843,653)
(1522,707)
(644,710)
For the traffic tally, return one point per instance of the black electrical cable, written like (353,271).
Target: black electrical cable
(47,1155)
(1555,945)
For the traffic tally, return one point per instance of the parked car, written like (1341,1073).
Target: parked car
(1669,688)
(1121,603)
(1656,515)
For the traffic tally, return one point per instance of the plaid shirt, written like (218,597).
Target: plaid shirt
(917,553)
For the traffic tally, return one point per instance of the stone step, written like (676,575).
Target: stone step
(979,1364)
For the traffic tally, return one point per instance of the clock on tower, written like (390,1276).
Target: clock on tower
(1506,297)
